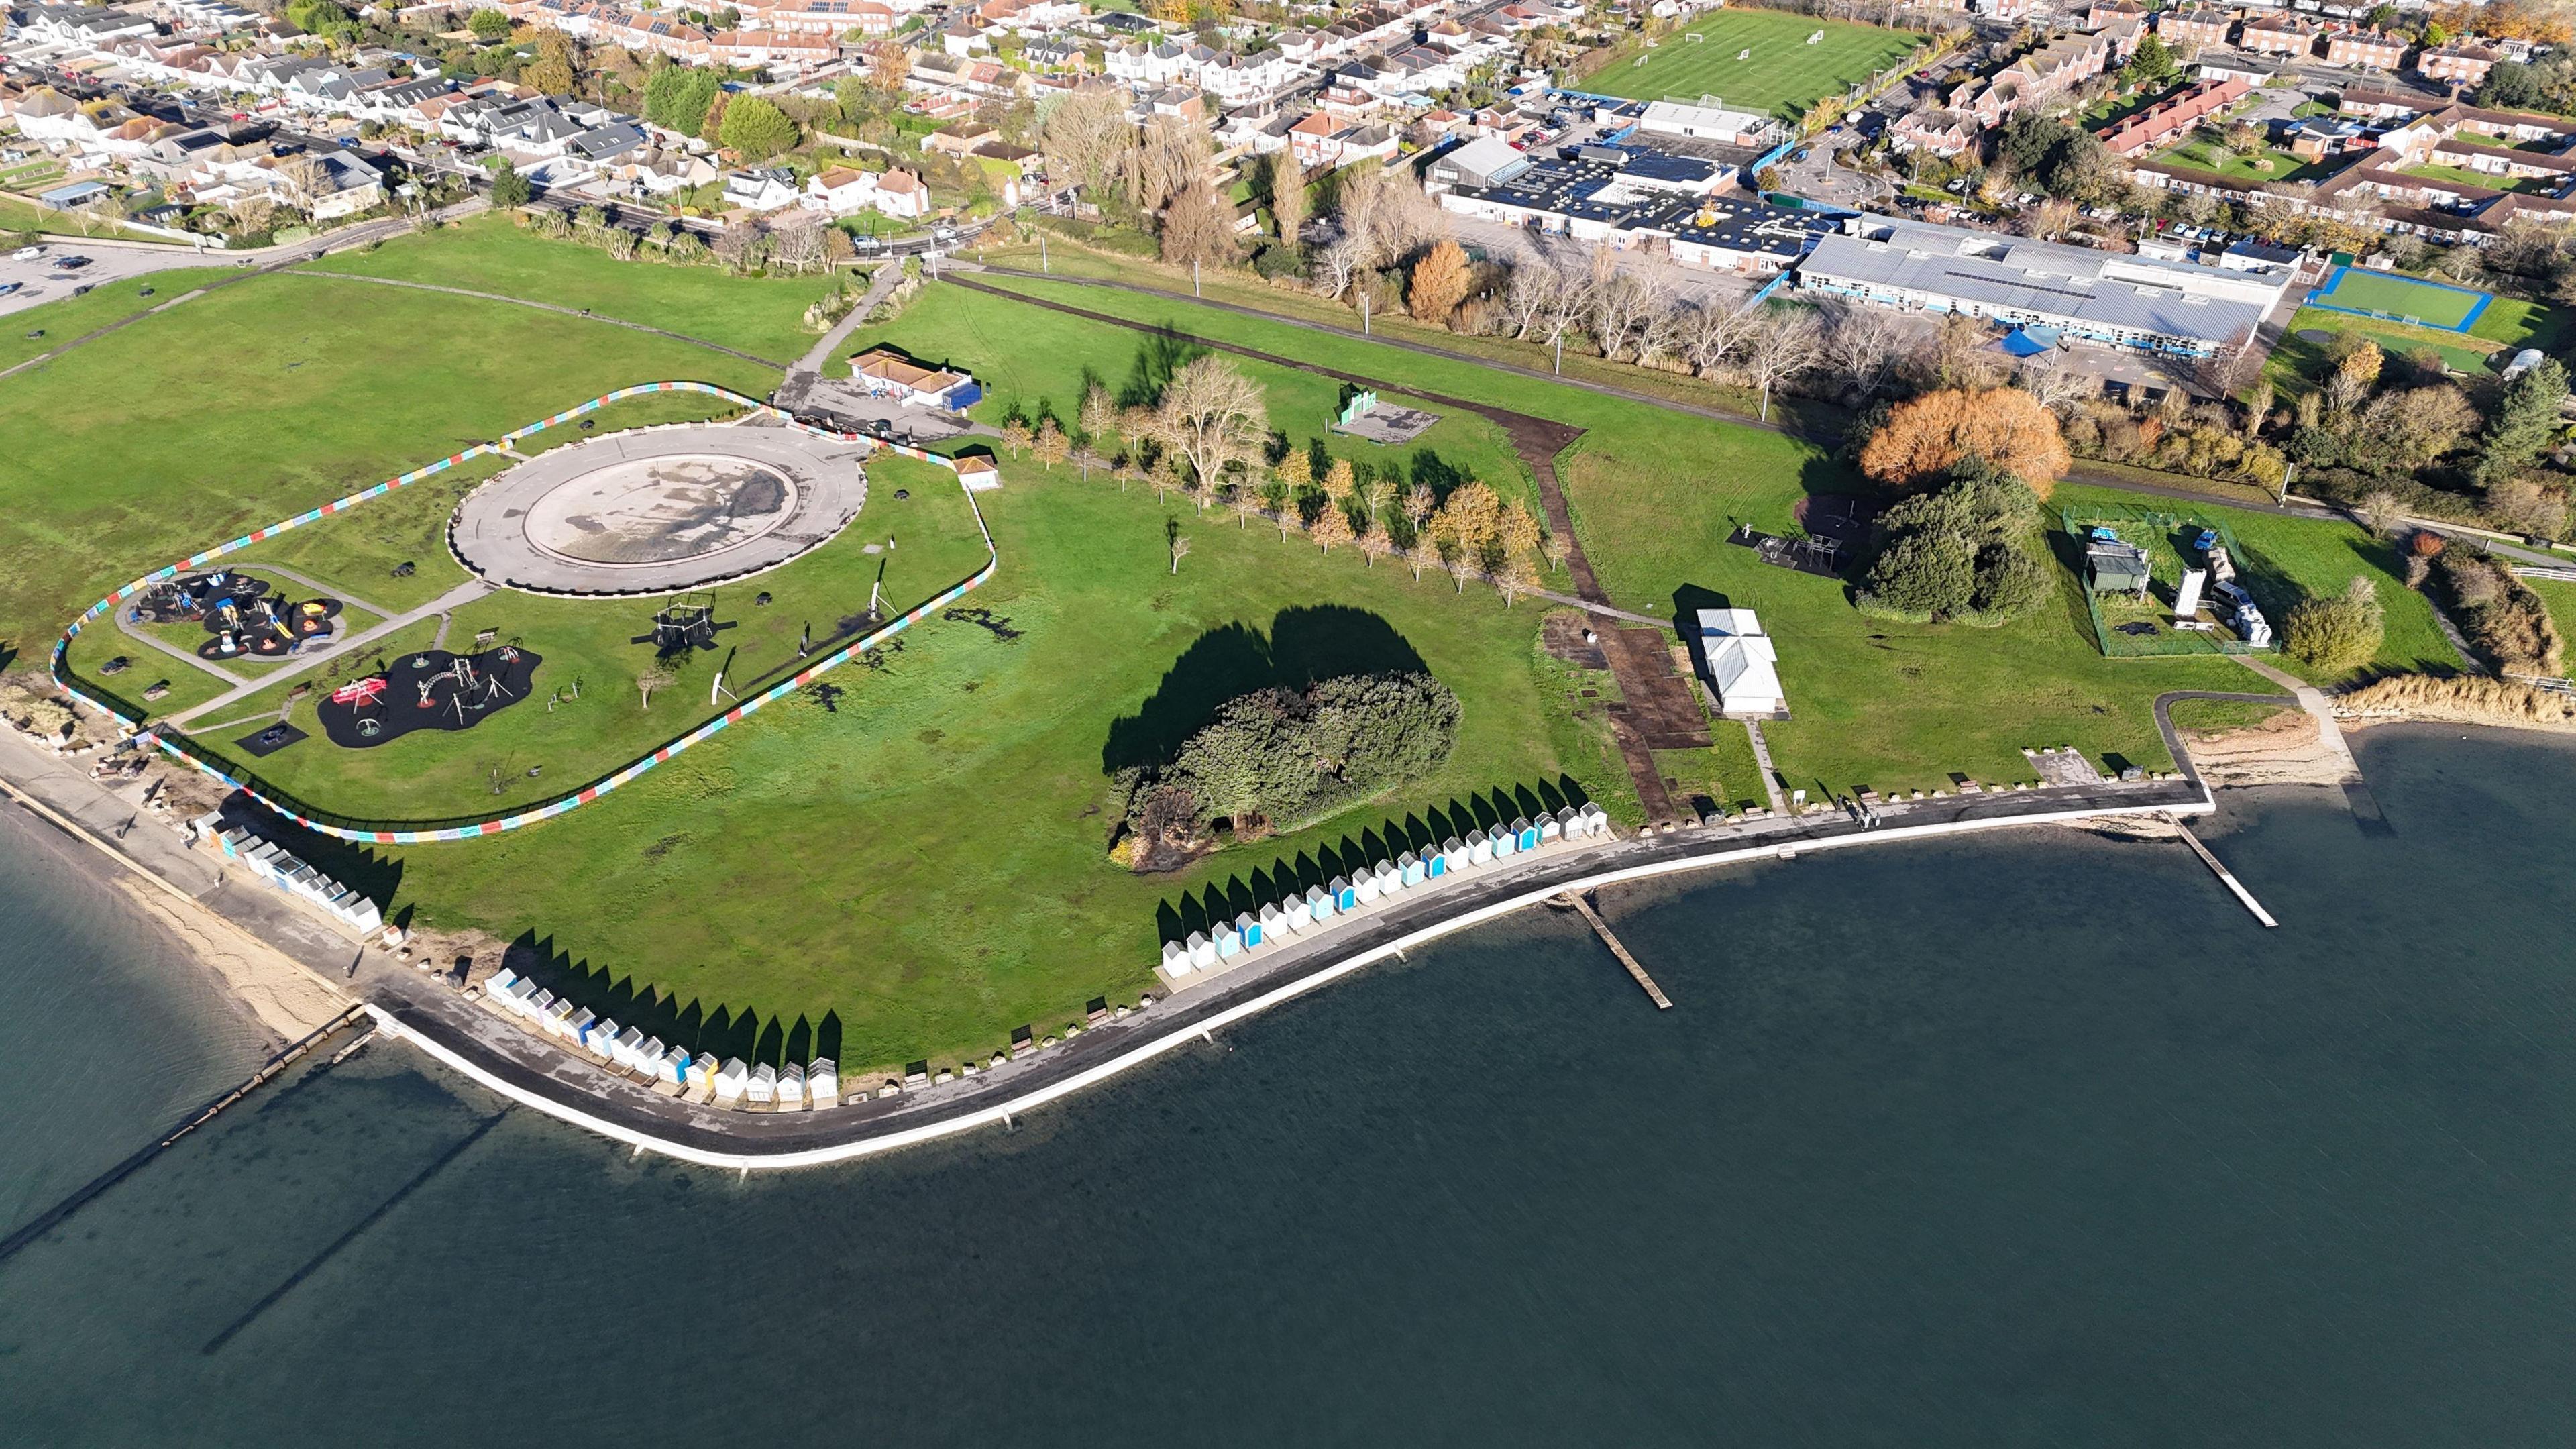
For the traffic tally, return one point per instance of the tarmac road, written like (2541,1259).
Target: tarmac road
(109,266)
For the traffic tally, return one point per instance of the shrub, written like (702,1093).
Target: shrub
(2337,633)
(1967,553)
(2504,620)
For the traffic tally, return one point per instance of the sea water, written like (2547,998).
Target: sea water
(2031,1139)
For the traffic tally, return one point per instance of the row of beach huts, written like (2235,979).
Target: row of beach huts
(1321,907)
(671,1070)
(282,868)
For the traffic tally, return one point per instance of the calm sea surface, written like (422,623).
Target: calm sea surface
(2036,1140)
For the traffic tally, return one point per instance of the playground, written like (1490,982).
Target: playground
(432,689)
(1755,60)
(2393,298)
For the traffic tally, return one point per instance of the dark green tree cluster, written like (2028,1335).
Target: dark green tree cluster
(2525,419)
(755,128)
(2546,84)
(677,98)
(1277,756)
(1968,553)
(2056,157)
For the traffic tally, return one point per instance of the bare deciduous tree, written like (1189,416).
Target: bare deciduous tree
(1708,336)
(1785,342)
(1862,346)
(1086,136)
(1213,417)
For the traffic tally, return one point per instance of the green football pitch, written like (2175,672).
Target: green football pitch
(1783,75)
(2437,306)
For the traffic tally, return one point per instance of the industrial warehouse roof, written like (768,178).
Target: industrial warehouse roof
(2041,279)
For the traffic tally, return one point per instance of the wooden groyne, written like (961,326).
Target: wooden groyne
(286,1056)
(2225,878)
(1601,928)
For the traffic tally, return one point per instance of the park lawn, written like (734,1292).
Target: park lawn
(444,775)
(2297,365)
(922,864)
(1654,495)
(2212,716)
(66,317)
(2560,599)
(488,253)
(2517,323)
(2287,559)
(2203,154)
(1784,75)
(261,400)
(357,551)
(1031,358)
(2430,303)
(18,216)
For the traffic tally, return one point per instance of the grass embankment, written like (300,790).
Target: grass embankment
(1783,76)
(264,399)
(18,216)
(68,318)
(488,253)
(2213,716)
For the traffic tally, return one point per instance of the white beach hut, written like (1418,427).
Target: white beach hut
(1551,826)
(1274,925)
(702,1072)
(1480,848)
(675,1067)
(1202,950)
(579,1026)
(1364,885)
(763,1086)
(502,980)
(602,1037)
(522,997)
(1176,958)
(648,1057)
(538,1005)
(791,1085)
(1298,912)
(1453,856)
(559,1020)
(823,1082)
(1596,820)
(628,1050)
(1389,878)
(732,1080)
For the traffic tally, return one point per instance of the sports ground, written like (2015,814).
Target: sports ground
(2401,299)
(1783,76)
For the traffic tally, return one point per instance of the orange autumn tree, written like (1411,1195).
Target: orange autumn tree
(1440,282)
(1925,438)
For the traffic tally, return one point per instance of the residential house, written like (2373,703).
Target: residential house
(963,41)
(760,189)
(794,51)
(884,372)
(2457,63)
(2365,49)
(840,191)
(959,140)
(2172,118)
(2196,29)
(2053,69)
(2284,36)
(903,194)
(1939,132)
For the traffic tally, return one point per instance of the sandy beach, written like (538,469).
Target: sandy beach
(286,998)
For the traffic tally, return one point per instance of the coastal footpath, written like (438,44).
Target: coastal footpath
(497,1052)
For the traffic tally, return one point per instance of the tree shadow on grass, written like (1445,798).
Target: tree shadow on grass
(1162,353)
(719,1031)
(1303,646)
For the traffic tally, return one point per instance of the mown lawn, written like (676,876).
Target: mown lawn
(2269,164)
(68,317)
(2296,365)
(1783,76)
(922,861)
(263,399)
(1031,358)
(488,253)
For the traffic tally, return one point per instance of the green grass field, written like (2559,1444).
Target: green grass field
(18,216)
(2203,154)
(2465,177)
(2298,362)
(2429,302)
(914,861)
(66,317)
(488,253)
(2517,323)
(1784,75)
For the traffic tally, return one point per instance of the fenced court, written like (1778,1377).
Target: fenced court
(1781,76)
(2411,300)
(2126,629)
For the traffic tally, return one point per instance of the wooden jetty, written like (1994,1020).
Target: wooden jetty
(1601,928)
(2226,879)
(285,1058)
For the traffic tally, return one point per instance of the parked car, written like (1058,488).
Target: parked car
(26,254)
(70,264)
(8,288)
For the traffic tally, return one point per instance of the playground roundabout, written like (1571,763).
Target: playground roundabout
(660,511)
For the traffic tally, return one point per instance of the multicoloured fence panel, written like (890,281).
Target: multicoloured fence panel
(574,800)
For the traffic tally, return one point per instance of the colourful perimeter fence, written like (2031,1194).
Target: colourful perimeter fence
(575,799)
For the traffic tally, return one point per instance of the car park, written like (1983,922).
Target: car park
(26,254)
(10,288)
